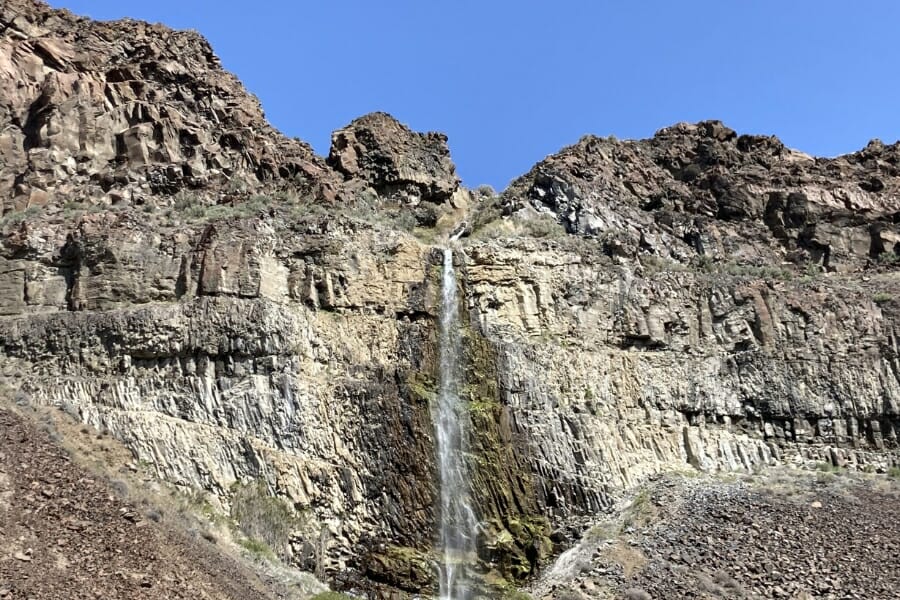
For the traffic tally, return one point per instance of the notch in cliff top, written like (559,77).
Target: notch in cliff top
(395,161)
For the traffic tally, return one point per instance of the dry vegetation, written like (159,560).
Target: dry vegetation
(255,534)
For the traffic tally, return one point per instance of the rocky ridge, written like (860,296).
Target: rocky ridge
(128,113)
(705,190)
(236,309)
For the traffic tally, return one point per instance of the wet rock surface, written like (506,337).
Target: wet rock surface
(235,308)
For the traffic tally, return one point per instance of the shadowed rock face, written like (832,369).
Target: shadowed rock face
(233,308)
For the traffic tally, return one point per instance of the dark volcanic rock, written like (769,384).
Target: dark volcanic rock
(783,534)
(830,540)
(704,189)
(119,112)
(394,160)
(72,535)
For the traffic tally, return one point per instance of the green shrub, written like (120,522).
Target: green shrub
(257,548)
(827,467)
(485,191)
(543,226)
(184,201)
(193,207)
(516,595)
(331,596)
(881,298)
(656,264)
(487,211)
(706,263)
(17,216)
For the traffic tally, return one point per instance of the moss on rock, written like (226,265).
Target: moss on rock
(515,538)
(402,567)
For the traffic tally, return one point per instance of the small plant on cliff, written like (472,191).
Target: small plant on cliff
(827,467)
(485,192)
(544,226)
(706,263)
(641,511)
(653,264)
(17,216)
(894,472)
(516,595)
(331,596)
(187,203)
(257,548)
(488,211)
(881,298)
(265,520)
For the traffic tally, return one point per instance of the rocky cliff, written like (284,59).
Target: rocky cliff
(236,309)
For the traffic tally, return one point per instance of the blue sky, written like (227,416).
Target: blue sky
(512,81)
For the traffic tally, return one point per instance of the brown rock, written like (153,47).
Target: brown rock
(394,160)
(78,96)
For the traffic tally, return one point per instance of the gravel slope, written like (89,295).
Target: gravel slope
(65,533)
(781,534)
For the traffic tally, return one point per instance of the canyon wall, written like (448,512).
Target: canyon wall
(236,309)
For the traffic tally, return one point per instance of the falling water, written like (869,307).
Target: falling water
(457,520)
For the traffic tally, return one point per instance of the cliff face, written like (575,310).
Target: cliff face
(727,301)
(127,113)
(235,308)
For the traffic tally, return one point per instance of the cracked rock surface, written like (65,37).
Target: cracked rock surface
(236,309)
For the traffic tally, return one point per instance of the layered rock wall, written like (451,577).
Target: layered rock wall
(235,308)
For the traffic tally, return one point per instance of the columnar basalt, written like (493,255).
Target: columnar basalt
(235,308)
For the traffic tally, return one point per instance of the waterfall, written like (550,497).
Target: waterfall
(457,523)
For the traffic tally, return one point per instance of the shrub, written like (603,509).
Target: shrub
(881,298)
(485,191)
(486,212)
(331,596)
(543,226)
(257,548)
(17,216)
(192,206)
(265,520)
(185,201)
(706,263)
(637,594)
(827,467)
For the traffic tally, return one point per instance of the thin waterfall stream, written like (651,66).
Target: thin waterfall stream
(457,523)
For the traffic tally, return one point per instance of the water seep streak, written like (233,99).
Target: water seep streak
(457,528)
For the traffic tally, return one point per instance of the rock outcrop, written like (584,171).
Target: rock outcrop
(127,113)
(395,161)
(704,190)
(173,270)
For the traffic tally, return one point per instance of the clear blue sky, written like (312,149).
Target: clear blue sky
(512,81)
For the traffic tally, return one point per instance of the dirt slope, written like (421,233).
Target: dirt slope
(65,533)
